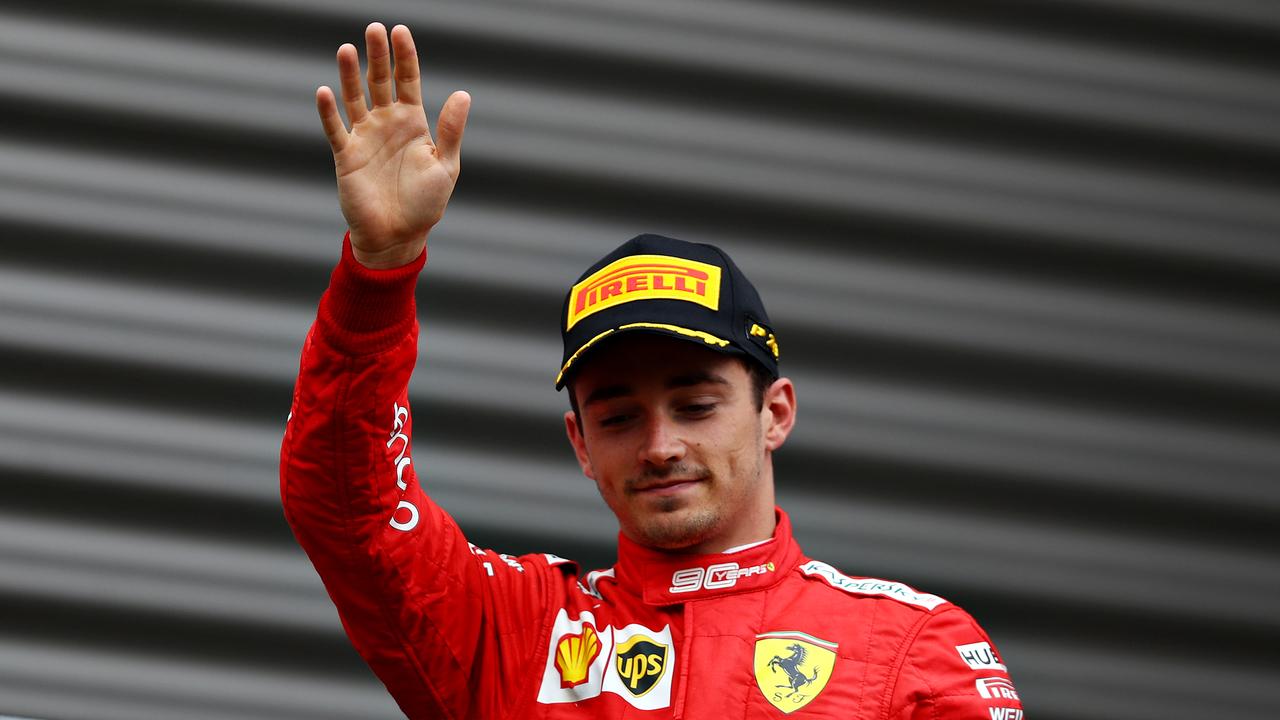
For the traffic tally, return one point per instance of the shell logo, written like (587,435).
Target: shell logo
(574,654)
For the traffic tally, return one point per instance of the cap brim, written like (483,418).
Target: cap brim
(705,339)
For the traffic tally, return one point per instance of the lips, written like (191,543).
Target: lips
(667,484)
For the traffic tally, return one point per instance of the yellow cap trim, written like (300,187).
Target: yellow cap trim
(707,338)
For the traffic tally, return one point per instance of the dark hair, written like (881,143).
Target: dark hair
(760,382)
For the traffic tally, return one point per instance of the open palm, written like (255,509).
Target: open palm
(394,181)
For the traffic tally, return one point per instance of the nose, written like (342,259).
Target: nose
(662,444)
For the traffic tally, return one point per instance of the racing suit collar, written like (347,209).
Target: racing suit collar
(669,579)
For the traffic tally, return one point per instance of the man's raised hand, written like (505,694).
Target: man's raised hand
(393,180)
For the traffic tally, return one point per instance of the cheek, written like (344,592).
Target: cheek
(749,437)
(606,468)
(742,447)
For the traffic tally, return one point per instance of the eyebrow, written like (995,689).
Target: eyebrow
(607,392)
(696,378)
(610,392)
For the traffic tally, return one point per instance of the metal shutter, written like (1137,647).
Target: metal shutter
(1022,258)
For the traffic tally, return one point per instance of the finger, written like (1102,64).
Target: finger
(408,82)
(450,126)
(379,56)
(352,88)
(334,130)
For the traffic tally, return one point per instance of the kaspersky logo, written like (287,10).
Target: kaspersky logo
(644,277)
(574,654)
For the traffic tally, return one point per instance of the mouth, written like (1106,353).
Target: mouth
(666,486)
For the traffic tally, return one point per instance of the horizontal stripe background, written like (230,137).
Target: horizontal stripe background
(1022,263)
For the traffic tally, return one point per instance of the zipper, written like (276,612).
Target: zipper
(686,663)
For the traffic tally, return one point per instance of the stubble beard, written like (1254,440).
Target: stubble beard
(673,529)
(676,523)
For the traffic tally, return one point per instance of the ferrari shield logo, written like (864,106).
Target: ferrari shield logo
(792,668)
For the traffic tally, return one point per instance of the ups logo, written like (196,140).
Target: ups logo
(640,662)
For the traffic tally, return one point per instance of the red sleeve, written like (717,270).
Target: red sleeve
(438,620)
(952,671)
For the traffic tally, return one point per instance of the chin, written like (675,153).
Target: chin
(675,529)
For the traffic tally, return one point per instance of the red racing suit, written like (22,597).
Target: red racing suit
(455,631)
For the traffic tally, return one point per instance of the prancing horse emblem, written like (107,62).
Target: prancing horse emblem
(792,668)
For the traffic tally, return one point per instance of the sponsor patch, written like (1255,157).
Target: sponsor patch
(585,660)
(871,586)
(792,668)
(574,654)
(644,277)
(641,670)
(405,517)
(980,656)
(640,662)
(996,688)
(576,659)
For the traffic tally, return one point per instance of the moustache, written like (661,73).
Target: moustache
(681,470)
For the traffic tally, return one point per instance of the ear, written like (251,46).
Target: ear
(779,412)
(579,443)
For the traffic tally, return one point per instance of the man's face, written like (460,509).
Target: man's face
(671,434)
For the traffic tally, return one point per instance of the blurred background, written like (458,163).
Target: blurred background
(1023,260)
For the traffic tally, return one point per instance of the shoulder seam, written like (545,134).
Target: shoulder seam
(537,657)
(903,657)
(899,661)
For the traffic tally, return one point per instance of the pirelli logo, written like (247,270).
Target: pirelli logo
(644,277)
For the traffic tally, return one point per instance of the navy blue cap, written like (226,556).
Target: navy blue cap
(656,284)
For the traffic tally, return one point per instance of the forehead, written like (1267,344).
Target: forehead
(645,360)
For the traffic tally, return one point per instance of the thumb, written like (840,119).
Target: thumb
(451,124)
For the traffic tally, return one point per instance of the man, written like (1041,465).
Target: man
(677,407)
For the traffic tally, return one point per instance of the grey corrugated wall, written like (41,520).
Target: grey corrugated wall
(1024,261)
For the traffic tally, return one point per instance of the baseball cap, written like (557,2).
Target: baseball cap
(657,284)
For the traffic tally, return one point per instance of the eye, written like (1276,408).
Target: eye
(697,409)
(614,419)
